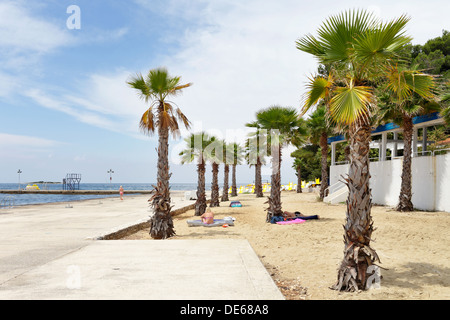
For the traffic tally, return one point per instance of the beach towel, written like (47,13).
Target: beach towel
(216,223)
(295,221)
(235,204)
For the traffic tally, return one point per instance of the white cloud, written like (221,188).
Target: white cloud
(12,140)
(242,59)
(21,32)
(102,100)
(46,100)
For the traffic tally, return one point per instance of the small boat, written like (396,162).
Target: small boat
(33,187)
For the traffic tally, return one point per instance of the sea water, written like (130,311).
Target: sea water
(27,198)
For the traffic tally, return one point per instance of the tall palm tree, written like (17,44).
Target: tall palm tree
(255,152)
(319,130)
(297,165)
(279,122)
(226,170)
(361,49)
(156,87)
(237,157)
(298,138)
(407,93)
(214,153)
(195,150)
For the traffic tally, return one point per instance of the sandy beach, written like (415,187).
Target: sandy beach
(303,258)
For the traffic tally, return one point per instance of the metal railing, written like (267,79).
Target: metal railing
(426,153)
(7,202)
(440,150)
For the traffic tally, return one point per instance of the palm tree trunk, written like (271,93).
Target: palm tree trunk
(215,186)
(404,201)
(275,190)
(161,223)
(200,204)
(225,183)
(324,163)
(358,255)
(299,179)
(258,182)
(233,181)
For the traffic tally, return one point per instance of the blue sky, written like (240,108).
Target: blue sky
(65,106)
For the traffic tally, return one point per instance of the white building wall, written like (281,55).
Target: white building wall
(430,181)
(443,182)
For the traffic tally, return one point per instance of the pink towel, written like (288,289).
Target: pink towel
(296,221)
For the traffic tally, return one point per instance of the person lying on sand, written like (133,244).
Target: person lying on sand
(297,214)
(207,217)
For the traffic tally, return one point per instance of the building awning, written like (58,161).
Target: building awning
(419,121)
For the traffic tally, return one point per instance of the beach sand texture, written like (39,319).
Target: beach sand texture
(303,258)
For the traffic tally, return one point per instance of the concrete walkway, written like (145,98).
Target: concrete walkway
(51,251)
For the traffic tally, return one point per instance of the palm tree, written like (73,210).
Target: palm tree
(297,165)
(214,153)
(226,171)
(195,149)
(298,138)
(319,130)
(155,88)
(255,152)
(361,49)
(279,121)
(237,157)
(407,94)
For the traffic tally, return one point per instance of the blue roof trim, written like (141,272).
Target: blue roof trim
(336,138)
(386,127)
(392,126)
(426,117)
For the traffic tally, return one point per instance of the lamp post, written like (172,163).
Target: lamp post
(19,172)
(110,171)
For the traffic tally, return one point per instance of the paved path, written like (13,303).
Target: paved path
(50,252)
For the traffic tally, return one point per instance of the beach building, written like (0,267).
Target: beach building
(430,169)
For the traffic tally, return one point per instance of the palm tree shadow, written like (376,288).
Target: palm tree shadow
(416,276)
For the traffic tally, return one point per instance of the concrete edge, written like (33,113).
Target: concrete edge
(126,230)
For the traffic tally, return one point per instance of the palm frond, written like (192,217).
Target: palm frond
(137,82)
(178,88)
(406,82)
(380,45)
(337,34)
(183,118)
(318,88)
(311,45)
(147,124)
(350,104)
